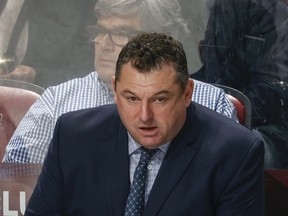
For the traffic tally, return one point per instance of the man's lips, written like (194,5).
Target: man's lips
(148,131)
(106,61)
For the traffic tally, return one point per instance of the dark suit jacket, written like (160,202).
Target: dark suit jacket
(212,167)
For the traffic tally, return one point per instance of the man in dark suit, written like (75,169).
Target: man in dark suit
(200,163)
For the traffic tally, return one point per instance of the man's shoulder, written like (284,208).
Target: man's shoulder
(76,82)
(212,97)
(223,127)
(100,113)
(74,94)
(203,88)
(222,135)
(101,122)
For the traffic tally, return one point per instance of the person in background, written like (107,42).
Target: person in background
(56,47)
(117,22)
(238,51)
(190,159)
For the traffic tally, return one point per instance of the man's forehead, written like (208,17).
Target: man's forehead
(163,74)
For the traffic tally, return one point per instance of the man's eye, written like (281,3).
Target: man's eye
(132,99)
(160,100)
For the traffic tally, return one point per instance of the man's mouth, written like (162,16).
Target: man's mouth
(107,61)
(148,131)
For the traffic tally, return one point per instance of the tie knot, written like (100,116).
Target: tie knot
(147,153)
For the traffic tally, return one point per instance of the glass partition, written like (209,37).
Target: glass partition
(240,44)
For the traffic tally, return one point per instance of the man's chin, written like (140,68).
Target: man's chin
(106,68)
(106,64)
(106,73)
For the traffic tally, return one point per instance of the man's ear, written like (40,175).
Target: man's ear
(114,88)
(189,92)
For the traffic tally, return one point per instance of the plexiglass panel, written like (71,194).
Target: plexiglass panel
(240,44)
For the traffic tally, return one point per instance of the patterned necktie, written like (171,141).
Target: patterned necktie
(135,202)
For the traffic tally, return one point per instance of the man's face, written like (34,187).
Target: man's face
(151,105)
(106,52)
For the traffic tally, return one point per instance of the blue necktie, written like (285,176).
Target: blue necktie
(135,202)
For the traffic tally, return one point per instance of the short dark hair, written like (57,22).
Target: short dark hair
(149,50)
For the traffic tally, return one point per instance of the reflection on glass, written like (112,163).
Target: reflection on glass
(244,47)
(241,49)
(119,37)
(6,64)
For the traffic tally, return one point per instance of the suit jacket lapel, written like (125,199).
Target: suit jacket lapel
(117,172)
(178,158)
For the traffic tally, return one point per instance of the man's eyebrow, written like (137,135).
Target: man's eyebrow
(127,91)
(162,92)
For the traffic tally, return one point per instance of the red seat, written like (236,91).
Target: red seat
(14,103)
(241,103)
(240,108)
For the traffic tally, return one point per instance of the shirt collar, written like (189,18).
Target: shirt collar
(133,146)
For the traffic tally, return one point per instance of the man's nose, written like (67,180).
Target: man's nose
(146,113)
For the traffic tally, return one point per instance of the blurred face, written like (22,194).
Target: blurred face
(108,44)
(151,105)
